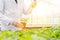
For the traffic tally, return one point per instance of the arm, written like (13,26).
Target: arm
(26,12)
(31,7)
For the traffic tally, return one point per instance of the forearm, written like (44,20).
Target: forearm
(31,7)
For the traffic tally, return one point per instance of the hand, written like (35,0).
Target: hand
(21,24)
(18,24)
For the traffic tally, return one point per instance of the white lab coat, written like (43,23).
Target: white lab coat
(9,11)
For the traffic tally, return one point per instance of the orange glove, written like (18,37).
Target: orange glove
(21,24)
(18,25)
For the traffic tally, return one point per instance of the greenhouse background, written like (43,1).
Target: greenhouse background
(29,19)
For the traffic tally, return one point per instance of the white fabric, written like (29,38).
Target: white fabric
(10,13)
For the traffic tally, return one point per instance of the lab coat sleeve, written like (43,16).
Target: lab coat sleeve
(4,18)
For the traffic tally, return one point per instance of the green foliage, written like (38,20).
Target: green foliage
(33,34)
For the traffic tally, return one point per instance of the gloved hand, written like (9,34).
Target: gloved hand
(21,24)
